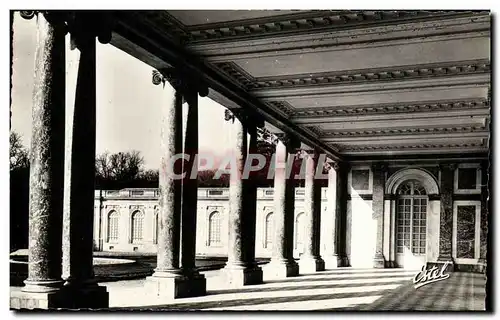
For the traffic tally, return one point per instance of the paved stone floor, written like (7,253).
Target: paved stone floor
(340,289)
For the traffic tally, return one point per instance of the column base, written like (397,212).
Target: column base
(238,276)
(311,264)
(379,261)
(280,269)
(334,262)
(174,286)
(94,297)
(390,264)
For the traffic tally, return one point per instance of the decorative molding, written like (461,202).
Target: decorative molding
(410,147)
(282,24)
(412,72)
(430,184)
(382,74)
(136,207)
(282,106)
(370,109)
(401,131)
(237,73)
(315,130)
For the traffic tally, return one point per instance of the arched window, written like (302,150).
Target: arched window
(269,231)
(214,225)
(113,219)
(137,225)
(411,218)
(299,231)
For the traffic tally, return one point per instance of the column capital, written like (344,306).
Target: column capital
(180,80)
(246,117)
(288,140)
(306,153)
(84,26)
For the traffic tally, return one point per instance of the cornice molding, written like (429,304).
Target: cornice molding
(352,77)
(370,109)
(401,131)
(406,147)
(233,71)
(282,106)
(297,22)
(372,75)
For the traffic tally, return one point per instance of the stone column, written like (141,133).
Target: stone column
(241,268)
(446,215)
(379,170)
(78,223)
(43,287)
(167,279)
(282,263)
(311,260)
(190,197)
(337,210)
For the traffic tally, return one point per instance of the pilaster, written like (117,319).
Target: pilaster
(446,215)
(379,170)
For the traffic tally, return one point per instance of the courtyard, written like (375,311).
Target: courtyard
(343,289)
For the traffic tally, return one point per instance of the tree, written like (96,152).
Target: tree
(118,170)
(19,158)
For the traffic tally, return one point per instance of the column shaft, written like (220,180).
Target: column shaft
(337,208)
(241,268)
(170,188)
(311,260)
(280,196)
(249,217)
(47,160)
(78,223)
(282,262)
(341,215)
(237,189)
(190,186)
(378,213)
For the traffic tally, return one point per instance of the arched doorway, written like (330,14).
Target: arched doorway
(411,224)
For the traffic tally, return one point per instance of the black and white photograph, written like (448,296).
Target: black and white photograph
(173,160)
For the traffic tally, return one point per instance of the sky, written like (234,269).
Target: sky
(128,104)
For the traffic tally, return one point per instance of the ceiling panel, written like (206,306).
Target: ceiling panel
(377,57)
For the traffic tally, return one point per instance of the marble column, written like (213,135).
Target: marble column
(282,263)
(167,278)
(190,198)
(78,222)
(43,286)
(311,260)
(379,170)
(336,212)
(485,202)
(446,215)
(241,268)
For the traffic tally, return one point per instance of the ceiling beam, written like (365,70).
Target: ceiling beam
(153,41)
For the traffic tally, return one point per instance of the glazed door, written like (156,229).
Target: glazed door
(411,224)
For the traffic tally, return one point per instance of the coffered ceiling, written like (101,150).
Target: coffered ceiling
(353,83)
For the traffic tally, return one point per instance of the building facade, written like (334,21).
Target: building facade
(127,220)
